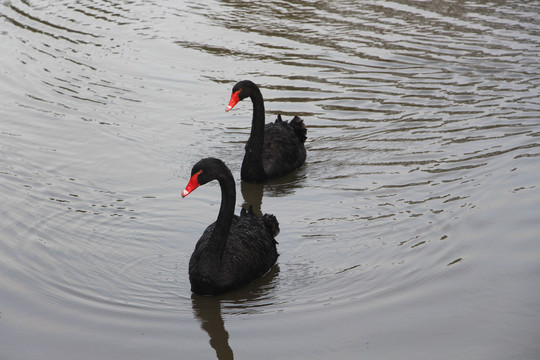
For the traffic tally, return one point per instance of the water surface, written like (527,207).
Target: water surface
(411,231)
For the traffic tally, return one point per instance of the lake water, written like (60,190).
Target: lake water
(412,231)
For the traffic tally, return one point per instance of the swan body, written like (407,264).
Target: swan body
(274,149)
(234,250)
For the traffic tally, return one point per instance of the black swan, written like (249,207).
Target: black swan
(274,149)
(234,250)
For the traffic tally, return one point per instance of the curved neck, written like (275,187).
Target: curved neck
(257,122)
(226,211)
(252,166)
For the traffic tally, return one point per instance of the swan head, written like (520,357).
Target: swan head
(240,91)
(204,171)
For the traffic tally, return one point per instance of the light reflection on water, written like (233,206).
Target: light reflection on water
(413,218)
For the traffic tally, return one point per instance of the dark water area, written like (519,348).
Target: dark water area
(411,231)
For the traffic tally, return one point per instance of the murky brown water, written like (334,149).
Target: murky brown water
(411,232)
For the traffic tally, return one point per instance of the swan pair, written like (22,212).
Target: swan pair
(235,250)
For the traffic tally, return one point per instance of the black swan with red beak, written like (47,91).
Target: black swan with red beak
(234,250)
(274,149)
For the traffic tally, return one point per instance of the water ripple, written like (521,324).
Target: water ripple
(423,130)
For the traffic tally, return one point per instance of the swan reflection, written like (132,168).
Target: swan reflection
(286,185)
(251,299)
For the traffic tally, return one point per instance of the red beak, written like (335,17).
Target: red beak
(234,100)
(192,184)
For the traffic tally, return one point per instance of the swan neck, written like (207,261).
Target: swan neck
(252,165)
(257,122)
(226,212)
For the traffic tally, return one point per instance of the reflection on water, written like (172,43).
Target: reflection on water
(253,195)
(208,311)
(249,300)
(286,185)
(414,217)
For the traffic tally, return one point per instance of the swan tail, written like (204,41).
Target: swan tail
(297,125)
(299,128)
(271,224)
(270,221)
